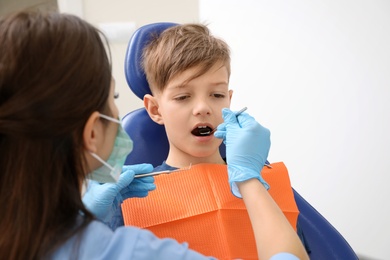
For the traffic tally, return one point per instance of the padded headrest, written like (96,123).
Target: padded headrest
(134,72)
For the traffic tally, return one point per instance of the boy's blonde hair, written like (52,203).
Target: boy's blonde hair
(179,48)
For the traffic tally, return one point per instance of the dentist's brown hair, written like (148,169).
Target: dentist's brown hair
(54,72)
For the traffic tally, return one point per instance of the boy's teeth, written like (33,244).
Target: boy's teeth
(202,131)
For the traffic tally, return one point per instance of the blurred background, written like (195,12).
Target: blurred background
(316,73)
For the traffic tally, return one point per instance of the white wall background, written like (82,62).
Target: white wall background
(317,74)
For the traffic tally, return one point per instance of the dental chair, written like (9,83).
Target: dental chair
(151,146)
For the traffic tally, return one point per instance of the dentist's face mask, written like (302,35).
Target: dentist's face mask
(110,170)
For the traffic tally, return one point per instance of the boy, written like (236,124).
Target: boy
(188,72)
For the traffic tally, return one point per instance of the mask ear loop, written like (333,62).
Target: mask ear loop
(110,118)
(114,172)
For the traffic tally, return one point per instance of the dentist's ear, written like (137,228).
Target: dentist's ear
(91,132)
(151,106)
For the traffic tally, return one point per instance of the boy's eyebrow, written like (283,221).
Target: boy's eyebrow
(179,85)
(220,82)
(185,84)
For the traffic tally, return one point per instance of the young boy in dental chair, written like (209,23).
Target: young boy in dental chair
(188,72)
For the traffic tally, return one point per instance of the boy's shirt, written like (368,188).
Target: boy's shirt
(164,167)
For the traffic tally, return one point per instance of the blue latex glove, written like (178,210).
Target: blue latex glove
(103,200)
(247,146)
(139,187)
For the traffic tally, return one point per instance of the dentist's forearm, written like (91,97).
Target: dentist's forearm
(273,233)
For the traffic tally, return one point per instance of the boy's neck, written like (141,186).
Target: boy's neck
(190,160)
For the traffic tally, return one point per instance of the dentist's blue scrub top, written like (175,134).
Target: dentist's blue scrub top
(99,242)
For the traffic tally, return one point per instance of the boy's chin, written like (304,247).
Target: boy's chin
(210,156)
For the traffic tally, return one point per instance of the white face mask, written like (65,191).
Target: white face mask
(110,170)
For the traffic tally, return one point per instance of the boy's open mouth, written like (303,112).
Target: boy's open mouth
(202,131)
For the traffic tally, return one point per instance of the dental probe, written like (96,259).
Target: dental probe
(161,172)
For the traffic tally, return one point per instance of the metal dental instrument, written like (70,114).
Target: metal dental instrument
(161,172)
(240,111)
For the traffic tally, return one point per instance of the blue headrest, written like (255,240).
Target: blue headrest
(150,139)
(135,74)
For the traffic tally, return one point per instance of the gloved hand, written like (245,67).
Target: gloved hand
(104,199)
(247,146)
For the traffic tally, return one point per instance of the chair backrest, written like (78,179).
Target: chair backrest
(324,240)
(151,146)
(134,72)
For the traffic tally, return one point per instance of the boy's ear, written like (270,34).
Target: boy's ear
(151,105)
(90,133)
(230,95)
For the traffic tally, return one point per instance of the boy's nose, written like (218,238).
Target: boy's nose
(202,108)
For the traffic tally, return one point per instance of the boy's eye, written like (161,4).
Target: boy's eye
(216,95)
(180,98)
(116,95)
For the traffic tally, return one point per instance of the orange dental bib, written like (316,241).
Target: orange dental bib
(197,207)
